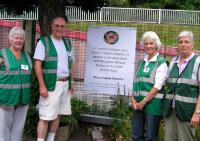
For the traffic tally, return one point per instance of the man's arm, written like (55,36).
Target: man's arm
(39,74)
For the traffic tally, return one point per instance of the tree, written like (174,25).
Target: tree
(119,3)
(167,4)
(49,9)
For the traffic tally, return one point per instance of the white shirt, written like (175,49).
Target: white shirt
(161,72)
(62,53)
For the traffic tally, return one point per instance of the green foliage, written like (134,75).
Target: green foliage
(91,5)
(122,113)
(78,107)
(167,4)
(32,115)
(94,109)
(31,122)
(161,132)
(34,96)
(119,3)
(197,134)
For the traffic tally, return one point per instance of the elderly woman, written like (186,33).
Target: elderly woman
(150,77)
(15,71)
(182,101)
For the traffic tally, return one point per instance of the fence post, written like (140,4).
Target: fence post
(159,14)
(101,10)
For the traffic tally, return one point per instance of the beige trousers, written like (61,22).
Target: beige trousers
(177,130)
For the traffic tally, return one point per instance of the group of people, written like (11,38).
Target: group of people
(169,91)
(159,89)
(53,60)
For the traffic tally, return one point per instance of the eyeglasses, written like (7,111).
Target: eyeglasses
(59,26)
(150,48)
(184,42)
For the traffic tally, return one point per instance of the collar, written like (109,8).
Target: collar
(186,60)
(153,59)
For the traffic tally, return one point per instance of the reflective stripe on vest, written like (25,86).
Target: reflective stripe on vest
(5,59)
(8,71)
(29,59)
(151,79)
(47,46)
(183,80)
(158,95)
(50,58)
(49,71)
(181,98)
(14,86)
(193,81)
(195,70)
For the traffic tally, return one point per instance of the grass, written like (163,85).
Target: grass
(167,32)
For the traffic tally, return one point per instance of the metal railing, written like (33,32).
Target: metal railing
(114,14)
(26,15)
(142,15)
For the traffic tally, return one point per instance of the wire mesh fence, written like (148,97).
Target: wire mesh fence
(77,32)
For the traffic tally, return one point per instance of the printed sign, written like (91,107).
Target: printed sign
(110,59)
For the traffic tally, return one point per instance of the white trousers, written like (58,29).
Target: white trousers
(12,123)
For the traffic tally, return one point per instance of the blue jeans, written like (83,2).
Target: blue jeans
(142,121)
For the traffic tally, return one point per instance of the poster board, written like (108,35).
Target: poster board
(110,58)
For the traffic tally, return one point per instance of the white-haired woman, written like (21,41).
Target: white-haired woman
(150,77)
(15,72)
(182,101)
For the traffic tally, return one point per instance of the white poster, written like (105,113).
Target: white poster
(110,58)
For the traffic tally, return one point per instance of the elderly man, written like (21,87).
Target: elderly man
(53,59)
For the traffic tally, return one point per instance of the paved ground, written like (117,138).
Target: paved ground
(81,135)
(84,133)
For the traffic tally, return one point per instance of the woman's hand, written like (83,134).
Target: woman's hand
(134,103)
(195,120)
(141,104)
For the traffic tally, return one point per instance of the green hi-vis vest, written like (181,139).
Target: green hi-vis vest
(14,78)
(145,79)
(49,65)
(184,87)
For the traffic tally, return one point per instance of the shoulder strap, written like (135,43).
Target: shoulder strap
(5,57)
(29,58)
(67,44)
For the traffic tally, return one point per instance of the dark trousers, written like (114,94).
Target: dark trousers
(145,127)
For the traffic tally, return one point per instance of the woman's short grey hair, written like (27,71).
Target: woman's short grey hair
(151,35)
(16,30)
(186,34)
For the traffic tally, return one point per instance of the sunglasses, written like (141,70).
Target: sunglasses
(58,26)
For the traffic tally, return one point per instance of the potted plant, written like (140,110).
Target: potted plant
(69,124)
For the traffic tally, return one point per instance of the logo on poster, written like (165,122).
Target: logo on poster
(111,37)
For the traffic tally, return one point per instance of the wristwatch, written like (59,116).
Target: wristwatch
(197,111)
